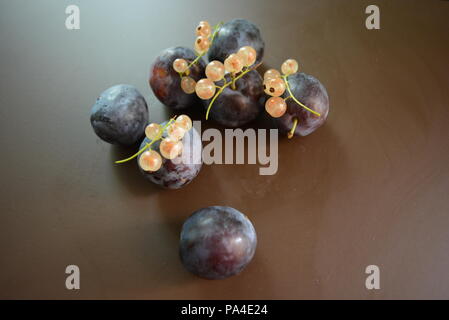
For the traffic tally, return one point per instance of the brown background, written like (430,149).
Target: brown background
(370,187)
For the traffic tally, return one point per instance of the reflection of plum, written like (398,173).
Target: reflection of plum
(217,242)
(180,171)
(166,82)
(232,36)
(234,108)
(309,91)
(119,115)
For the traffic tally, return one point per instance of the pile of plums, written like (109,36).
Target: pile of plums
(216,242)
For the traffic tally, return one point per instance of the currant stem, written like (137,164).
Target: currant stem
(296,100)
(226,84)
(292,131)
(148,144)
(233,81)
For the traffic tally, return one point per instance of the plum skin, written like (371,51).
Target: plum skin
(235,108)
(309,91)
(175,174)
(232,36)
(166,82)
(119,115)
(217,242)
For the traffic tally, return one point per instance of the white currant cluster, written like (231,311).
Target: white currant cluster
(275,84)
(236,64)
(215,71)
(202,43)
(170,147)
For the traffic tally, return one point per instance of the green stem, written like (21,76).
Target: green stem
(148,144)
(233,81)
(296,100)
(227,84)
(292,131)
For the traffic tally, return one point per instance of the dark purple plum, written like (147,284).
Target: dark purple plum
(166,82)
(309,91)
(235,108)
(119,115)
(217,242)
(232,36)
(180,171)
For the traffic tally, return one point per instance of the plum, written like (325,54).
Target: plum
(309,91)
(166,82)
(232,36)
(217,242)
(119,115)
(180,171)
(234,108)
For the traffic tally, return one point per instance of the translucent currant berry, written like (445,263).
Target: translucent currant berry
(289,67)
(205,89)
(248,55)
(203,29)
(215,70)
(276,107)
(274,87)
(188,85)
(271,74)
(150,160)
(184,121)
(180,65)
(175,131)
(170,148)
(233,63)
(202,44)
(153,131)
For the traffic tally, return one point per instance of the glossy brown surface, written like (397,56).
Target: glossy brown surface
(369,187)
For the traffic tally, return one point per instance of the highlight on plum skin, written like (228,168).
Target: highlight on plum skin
(234,35)
(217,242)
(165,81)
(107,118)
